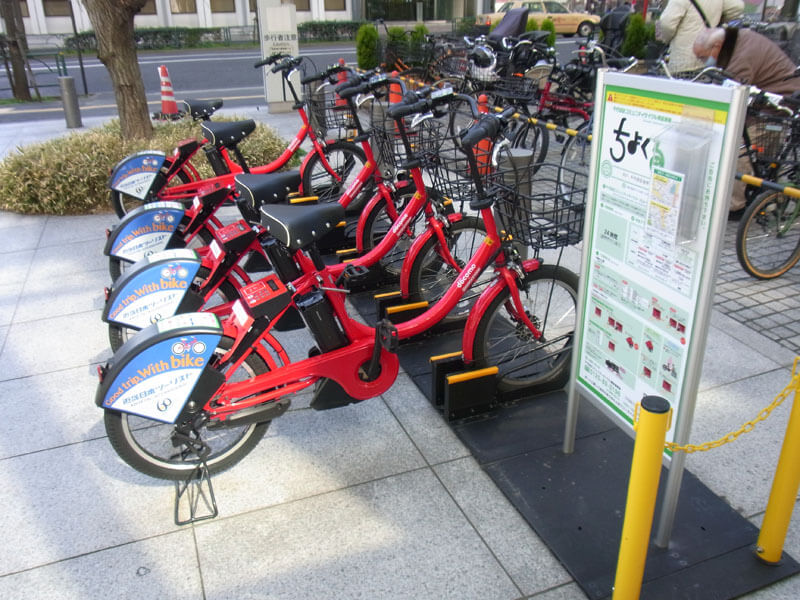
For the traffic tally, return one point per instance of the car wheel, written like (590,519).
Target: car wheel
(585,29)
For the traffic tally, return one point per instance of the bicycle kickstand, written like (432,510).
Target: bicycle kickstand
(196,488)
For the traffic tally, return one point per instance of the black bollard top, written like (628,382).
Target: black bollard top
(655,404)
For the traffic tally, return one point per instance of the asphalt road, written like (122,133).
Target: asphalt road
(212,73)
(208,73)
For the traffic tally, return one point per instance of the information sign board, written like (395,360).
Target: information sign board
(663,154)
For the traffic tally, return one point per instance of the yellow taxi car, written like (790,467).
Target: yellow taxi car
(566,22)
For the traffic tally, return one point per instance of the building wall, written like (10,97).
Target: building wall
(36,23)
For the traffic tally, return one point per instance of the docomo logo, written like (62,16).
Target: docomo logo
(398,227)
(465,276)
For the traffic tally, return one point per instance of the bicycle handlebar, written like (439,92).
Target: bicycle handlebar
(325,73)
(488,127)
(351,88)
(432,99)
(270,59)
(286,64)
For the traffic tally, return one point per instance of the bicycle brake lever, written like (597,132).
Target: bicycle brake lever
(419,118)
(497,148)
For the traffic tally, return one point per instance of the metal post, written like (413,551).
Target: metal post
(651,434)
(769,547)
(69,98)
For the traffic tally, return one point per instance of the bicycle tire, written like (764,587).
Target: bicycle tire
(768,236)
(377,222)
(576,158)
(430,276)
(123,203)
(146,445)
(534,138)
(117,267)
(226,292)
(347,160)
(523,362)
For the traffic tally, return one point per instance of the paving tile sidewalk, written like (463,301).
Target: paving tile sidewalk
(375,500)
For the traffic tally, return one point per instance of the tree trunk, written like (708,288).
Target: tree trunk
(17,47)
(113,26)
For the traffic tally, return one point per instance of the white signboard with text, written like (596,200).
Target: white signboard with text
(663,155)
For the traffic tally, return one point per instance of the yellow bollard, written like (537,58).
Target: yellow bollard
(651,433)
(769,547)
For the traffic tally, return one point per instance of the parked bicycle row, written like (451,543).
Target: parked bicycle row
(445,212)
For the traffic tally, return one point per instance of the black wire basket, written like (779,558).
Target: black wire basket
(542,211)
(448,166)
(454,63)
(326,111)
(769,137)
(516,87)
(385,137)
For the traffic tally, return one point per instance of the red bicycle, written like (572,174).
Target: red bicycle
(151,176)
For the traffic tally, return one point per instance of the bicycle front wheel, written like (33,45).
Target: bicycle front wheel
(534,138)
(346,161)
(768,238)
(431,275)
(503,340)
(379,221)
(576,156)
(147,445)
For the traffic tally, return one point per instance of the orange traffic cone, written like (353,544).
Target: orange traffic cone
(169,108)
(483,149)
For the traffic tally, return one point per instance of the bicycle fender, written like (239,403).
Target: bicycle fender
(153,289)
(144,231)
(134,175)
(158,371)
(475,315)
(414,250)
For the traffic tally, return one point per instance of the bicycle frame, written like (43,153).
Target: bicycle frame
(344,364)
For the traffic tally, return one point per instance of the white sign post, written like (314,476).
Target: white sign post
(278,34)
(663,159)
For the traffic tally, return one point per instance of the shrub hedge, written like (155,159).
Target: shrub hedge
(69,175)
(157,38)
(327,31)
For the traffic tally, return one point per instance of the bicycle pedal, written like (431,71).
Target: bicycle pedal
(352,274)
(386,334)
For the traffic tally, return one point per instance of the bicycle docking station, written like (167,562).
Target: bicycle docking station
(460,392)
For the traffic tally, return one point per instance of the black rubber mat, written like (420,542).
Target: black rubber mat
(576,502)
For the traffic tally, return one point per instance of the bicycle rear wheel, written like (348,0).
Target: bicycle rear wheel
(502,340)
(225,293)
(123,203)
(147,445)
(768,238)
(117,266)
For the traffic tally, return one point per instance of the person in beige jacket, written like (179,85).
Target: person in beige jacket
(680,23)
